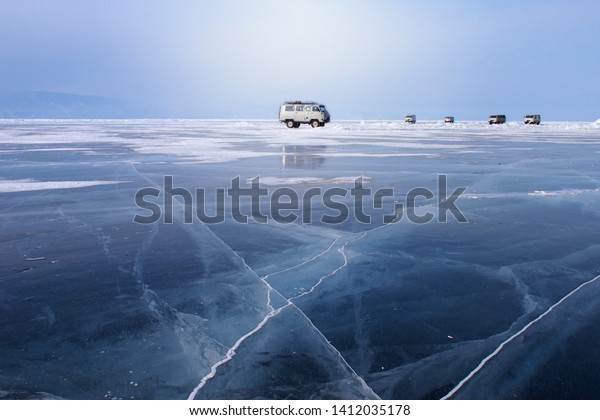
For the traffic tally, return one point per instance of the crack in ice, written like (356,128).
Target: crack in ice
(341,250)
(319,255)
(272,311)
(232,351)
(511,338)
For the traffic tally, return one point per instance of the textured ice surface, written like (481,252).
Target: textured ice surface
(93,305)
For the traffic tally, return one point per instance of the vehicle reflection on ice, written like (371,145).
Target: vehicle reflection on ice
(308,157)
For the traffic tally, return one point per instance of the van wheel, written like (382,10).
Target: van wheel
(315,123)
(289,124)
(297,125)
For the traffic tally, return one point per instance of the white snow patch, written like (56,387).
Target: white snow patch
(19,185)
(543,193)
(562,192)
(49,149)
(309,180)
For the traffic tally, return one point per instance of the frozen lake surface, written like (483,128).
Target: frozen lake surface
(504,304)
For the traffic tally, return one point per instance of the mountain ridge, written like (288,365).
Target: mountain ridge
(43,104)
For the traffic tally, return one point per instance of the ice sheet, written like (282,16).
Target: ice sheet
(93,305)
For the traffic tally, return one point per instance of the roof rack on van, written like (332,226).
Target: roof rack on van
(300,103)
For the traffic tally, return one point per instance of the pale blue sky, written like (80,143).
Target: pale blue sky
(363,59)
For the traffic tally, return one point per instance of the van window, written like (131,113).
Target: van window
(289,107)
(299,108)
(315,108)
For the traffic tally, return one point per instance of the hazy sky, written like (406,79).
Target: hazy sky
(363,59)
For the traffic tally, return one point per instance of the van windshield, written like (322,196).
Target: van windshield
(322,108)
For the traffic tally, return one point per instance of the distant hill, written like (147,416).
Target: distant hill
(65,105)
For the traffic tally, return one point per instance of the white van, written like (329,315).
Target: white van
(411,119)
(295,113)
(497,119)
(532,119)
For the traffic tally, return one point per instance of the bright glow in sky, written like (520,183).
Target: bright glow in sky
(363,59)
